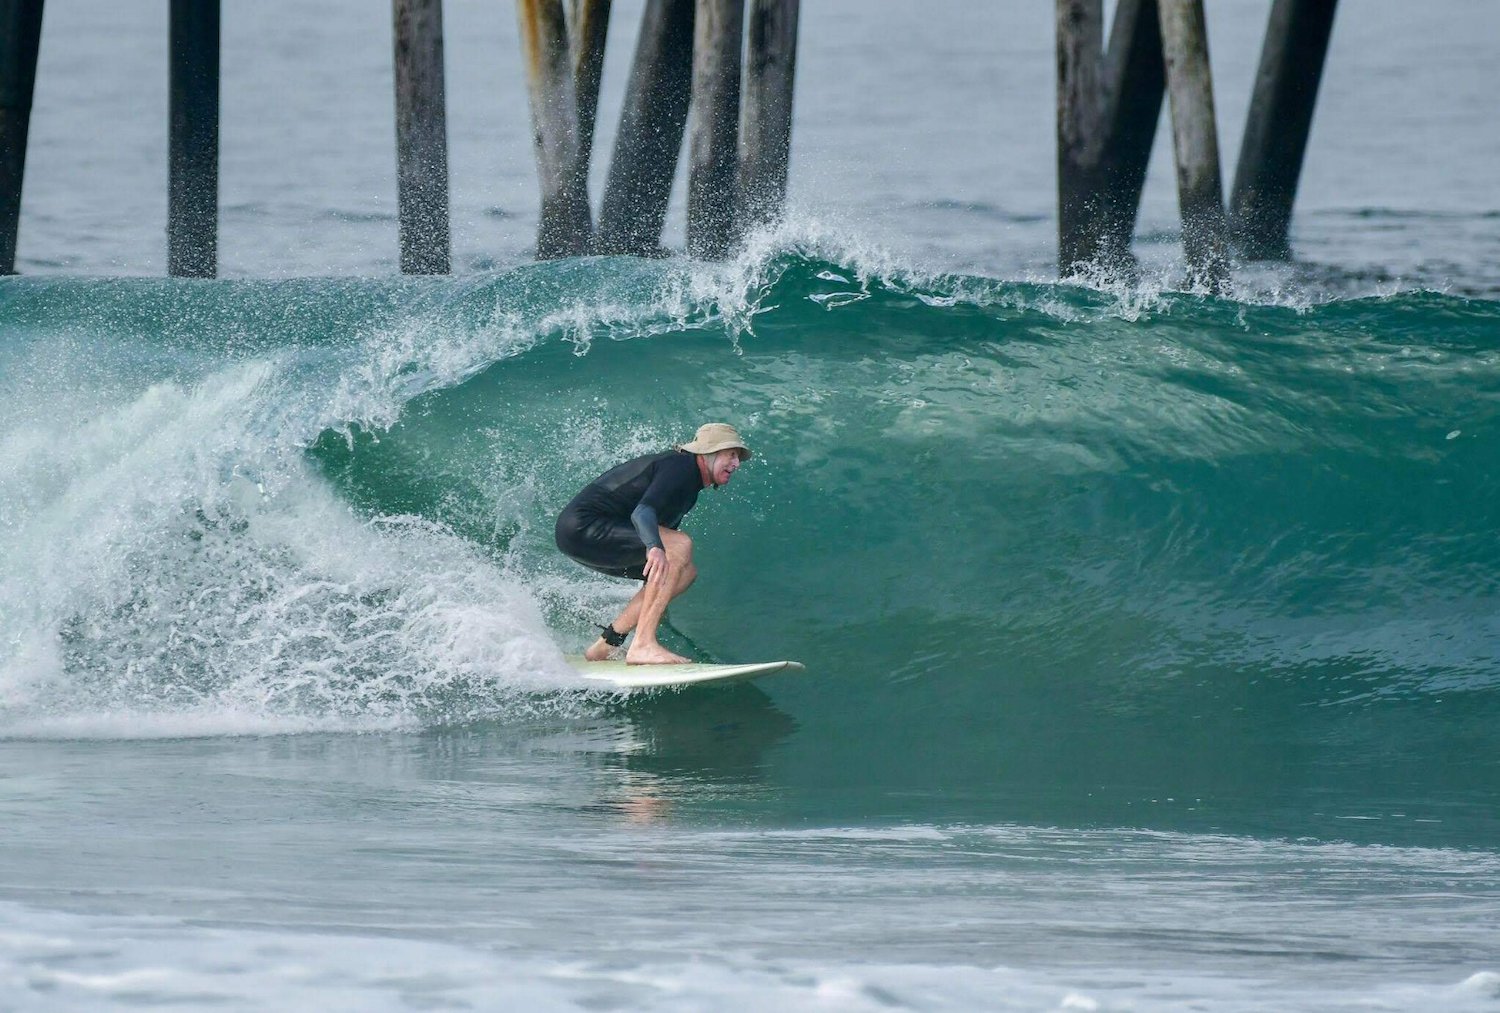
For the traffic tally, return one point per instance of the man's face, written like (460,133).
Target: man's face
(723,465)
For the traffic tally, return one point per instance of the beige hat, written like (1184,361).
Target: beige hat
(714,437)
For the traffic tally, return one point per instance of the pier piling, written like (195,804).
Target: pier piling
(1080,41)
(1276,131)
(421,137)
(735,78)
(766,117)
(1107,110)
(1135,84)
(713,170)
(565,226)
(588,30)
(1200,191)
(651,128)
(193,145)
(20,40)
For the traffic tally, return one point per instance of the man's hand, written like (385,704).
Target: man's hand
(657,564)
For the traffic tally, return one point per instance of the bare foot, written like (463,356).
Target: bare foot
(599,651)
(652,654)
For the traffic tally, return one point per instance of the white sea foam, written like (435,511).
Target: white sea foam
(51,961)
(174,565)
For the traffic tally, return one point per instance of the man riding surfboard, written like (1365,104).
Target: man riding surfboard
(624,523)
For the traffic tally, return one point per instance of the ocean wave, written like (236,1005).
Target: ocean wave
(326,499)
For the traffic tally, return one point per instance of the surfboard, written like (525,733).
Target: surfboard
(623,676)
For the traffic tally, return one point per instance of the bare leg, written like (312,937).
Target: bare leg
(683,575)
(600,650)
(659,590)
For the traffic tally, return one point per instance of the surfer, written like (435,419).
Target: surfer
(624,523)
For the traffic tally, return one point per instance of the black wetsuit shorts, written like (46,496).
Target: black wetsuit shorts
(611,523)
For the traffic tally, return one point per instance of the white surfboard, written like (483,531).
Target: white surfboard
(623,676)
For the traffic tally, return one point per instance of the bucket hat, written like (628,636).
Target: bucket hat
(714,437)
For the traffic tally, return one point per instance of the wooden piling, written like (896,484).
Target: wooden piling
(421,137)
(1080,42)
(1276,131)
(766,118)
(588,30)
(1135,83)
(713,168)
(650,137)
(20,39)
(193,144)
(565,226)
(1108,105)
(1195,142)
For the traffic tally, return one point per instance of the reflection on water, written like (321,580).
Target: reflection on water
(703,743)
(722,733)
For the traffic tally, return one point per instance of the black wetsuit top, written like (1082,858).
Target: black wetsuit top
(611,523)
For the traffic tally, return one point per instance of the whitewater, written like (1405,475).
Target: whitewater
(1151,635)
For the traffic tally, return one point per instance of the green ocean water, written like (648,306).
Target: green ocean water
(1050,553)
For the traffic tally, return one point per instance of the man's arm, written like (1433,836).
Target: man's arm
(646,524)
(666,486)
(644,519)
